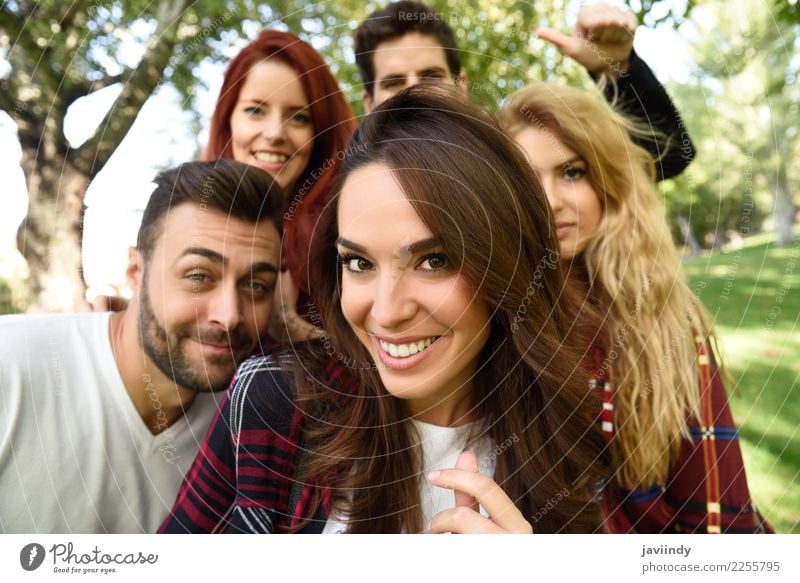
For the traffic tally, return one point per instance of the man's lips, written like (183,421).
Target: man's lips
(213,345)
(215,348)
(219,345)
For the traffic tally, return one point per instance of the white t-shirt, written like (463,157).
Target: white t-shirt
(75,455)
(441,447)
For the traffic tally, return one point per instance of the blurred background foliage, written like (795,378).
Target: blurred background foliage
(740,100)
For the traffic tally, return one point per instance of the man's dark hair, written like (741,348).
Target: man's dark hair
(394,21)
(239,190)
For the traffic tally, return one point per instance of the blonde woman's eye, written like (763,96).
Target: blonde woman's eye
(573,173)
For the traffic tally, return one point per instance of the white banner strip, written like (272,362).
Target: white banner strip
(379,559)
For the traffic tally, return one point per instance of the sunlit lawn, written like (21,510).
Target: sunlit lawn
(753,294)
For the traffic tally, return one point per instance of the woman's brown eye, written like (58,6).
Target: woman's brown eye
(435,262)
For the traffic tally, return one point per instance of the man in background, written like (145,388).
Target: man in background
(407,43)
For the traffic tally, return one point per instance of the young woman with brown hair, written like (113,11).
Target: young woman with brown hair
(448,394)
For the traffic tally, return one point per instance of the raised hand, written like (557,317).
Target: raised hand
(602,40)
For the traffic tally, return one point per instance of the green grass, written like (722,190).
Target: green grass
(753,294)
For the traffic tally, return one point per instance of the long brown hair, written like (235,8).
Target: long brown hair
(651,316)
(331,117)
(478,196)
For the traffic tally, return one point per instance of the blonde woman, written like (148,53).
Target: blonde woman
(678,466)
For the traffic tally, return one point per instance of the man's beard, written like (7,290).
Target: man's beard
(168,351)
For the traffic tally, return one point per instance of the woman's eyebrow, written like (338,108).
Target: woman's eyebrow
(341,241)
(419,246)
(573,160)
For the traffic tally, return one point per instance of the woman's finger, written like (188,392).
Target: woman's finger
(462,520)
(467,462)
(501,509)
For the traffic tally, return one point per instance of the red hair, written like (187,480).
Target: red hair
(333,123)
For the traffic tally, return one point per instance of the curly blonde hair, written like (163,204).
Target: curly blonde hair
(652,320)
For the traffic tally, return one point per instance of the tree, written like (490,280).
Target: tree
(747,57)
(60,52)
(723,191)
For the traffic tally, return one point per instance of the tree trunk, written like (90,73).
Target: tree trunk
(784,214)
(688,235)
(718,239)
(50,236)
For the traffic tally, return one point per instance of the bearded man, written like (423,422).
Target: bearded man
(101,414)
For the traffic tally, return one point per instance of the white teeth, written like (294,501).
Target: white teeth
(405,350)
(271,158)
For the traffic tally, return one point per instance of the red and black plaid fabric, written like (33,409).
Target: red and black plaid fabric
(243,477)
(706,491)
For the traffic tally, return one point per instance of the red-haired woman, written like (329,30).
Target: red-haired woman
(281,109)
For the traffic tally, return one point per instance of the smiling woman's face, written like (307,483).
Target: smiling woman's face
(271,126)
(408,304)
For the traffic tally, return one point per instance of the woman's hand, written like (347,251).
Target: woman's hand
(286,325)
(472,488)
